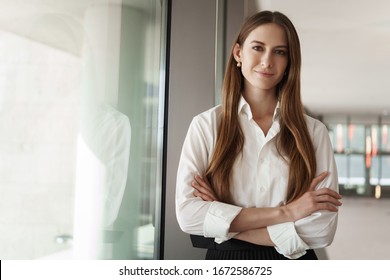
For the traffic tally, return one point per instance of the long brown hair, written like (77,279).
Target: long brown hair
(293,141)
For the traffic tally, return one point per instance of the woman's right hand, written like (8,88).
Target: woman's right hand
(314,200)
(203,189)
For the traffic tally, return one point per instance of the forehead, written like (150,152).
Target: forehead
(270,34)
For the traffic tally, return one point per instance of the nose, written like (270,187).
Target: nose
(266,60)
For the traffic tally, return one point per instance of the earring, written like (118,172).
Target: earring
(238,64)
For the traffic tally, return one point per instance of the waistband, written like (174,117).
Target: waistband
(229,245)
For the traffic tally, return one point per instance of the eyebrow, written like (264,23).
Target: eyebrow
(261,43)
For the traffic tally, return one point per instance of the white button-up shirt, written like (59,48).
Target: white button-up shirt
(259,179)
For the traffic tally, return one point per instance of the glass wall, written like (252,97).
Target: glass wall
(362,151)
(82,119)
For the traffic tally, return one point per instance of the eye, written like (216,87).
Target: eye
(280,52)
(257,48)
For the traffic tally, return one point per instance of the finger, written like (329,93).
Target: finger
(199,187)
(327,191)
(203,190)
(328,199)
(327,206)
(203,196)
(318,179)
(202,182)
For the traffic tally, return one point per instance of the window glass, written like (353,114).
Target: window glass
(356,138)
(385,171)
(339,137)
(384,138)
(375,171)
(380,171)
(357,170)
(361,151)
(82,100)
(342,169)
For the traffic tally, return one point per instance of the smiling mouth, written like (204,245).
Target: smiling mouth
(264,74)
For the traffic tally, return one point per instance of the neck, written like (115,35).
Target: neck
(261,102)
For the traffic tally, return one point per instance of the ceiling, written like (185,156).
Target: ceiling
(345,53)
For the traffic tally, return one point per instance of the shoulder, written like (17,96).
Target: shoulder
(318,131)
(315,126)
(209,118)
(204,127)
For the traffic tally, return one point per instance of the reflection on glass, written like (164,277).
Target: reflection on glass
(120,128)
(81,116)
(40,86)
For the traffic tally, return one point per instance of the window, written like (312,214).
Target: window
(361,146)
(82,108)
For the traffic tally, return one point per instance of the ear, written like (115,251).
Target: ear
(237,52)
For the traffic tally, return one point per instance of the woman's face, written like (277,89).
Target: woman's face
(263,57)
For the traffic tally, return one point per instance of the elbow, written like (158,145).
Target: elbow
(189,227)
(325,241)
(319,241)
(183,223)
(321,237)
(188,221)
(328,234)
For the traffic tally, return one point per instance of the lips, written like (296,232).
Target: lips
(264,74)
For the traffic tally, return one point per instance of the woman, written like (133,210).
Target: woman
(257,175)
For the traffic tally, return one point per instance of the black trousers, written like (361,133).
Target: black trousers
(235,249)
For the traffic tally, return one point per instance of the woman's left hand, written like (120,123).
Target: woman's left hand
(203,189)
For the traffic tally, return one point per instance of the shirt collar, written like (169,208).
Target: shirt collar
(243,107)
(276,112)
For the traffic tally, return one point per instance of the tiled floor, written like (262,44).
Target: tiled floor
(363,230)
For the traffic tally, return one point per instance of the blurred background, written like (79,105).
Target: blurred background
(97,95)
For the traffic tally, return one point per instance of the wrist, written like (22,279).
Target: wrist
(286,213)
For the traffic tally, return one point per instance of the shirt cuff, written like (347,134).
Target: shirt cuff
(287,241)
(218,219)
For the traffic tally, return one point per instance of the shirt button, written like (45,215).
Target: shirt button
(262,189)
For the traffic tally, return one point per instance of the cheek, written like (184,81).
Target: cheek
(246,71)
(282,69)
(248,63)
(249,57)
(283,62)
